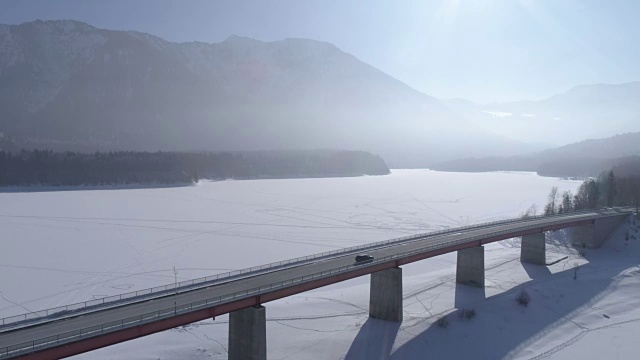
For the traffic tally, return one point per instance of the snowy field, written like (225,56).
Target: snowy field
(70,246)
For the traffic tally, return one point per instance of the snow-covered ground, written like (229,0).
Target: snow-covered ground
(69,246)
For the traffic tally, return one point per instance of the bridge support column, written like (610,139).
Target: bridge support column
(583,236)
(248,334)
(533,249)
(470,266)
(385,295)
(594,235)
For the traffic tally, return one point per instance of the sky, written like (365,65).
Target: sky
(480,50)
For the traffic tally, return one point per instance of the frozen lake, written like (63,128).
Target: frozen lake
(69,246)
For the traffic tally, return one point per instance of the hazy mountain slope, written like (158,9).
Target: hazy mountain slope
(65,84)
(584,158)
(586,111)
(610,147)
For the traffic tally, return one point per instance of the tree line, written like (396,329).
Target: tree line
(46,167)
(607,190)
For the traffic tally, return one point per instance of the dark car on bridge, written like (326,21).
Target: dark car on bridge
(363,258)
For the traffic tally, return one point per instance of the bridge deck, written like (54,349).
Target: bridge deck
(103,327)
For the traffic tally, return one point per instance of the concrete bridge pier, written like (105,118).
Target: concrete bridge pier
(470,266)
(385,295)
(248,334)
(533,249)
(595,234)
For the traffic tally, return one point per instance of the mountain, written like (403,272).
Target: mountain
(586,111)
(66,85)
(616,146)
(582,159)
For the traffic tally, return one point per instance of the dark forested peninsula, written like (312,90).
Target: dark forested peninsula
(48,168)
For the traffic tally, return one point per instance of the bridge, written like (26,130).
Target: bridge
(77,328)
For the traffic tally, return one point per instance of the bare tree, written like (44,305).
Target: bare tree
(531,211)
(554,197)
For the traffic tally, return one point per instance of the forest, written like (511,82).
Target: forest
(619,186)
(49,168)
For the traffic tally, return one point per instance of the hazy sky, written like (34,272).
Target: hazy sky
(482,50)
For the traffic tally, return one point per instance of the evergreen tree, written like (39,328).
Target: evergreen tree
(588,195)
(567,201)
(611,189)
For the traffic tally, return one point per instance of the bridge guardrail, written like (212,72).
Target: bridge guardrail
(187,285)
(211,302)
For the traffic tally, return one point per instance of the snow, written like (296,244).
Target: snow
(68,246)
(496,113)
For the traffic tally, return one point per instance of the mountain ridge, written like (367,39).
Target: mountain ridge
(68,85)
(581,112)
(587,158)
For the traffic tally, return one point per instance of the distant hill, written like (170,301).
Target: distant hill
(611,147)
(67,85)
(582,159)
(582,112)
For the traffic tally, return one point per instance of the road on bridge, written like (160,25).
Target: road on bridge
(51,333)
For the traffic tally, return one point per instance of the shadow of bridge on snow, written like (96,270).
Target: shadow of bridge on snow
(374,340)
(502,327)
